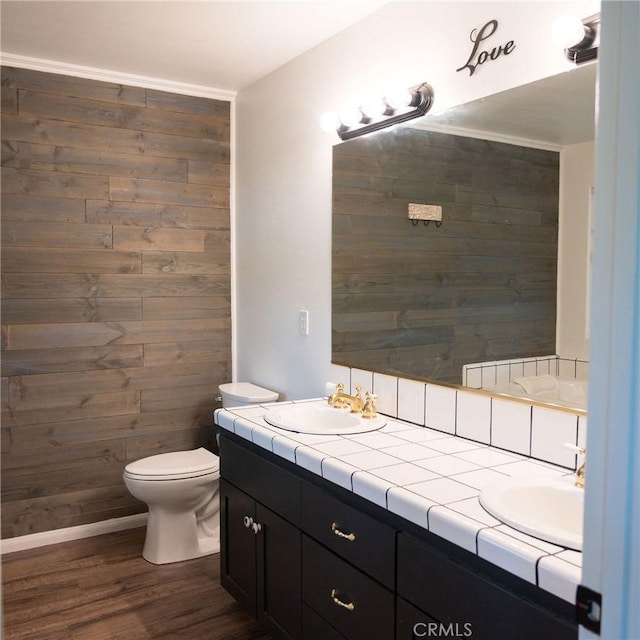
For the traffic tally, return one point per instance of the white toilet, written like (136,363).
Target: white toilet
(239,394)
(181,491)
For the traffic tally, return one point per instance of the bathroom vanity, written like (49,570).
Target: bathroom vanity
(314,560)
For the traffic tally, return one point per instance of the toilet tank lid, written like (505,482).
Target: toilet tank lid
(196,461)
(248,392)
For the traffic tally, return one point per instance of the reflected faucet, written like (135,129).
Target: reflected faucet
(580,471)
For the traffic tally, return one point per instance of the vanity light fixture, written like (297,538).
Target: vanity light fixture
(579,38)
(376,114)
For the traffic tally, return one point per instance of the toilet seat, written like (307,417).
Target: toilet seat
(177,465)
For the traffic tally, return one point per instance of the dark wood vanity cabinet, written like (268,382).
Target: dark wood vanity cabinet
(315,562)
(473,598)
(260,550)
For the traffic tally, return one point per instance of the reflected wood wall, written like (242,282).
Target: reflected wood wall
(116,289)
(424,300)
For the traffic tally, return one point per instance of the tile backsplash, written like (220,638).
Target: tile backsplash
(498,374)
(510,424)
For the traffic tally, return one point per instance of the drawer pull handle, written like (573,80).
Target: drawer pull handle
(349,606)
(247,521)
(256,527)
(347,536)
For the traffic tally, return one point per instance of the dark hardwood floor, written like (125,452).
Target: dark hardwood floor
(101,588)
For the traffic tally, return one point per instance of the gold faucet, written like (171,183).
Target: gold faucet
(341,400)
(580,473)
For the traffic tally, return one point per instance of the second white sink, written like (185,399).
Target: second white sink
(548,508)
(320,419)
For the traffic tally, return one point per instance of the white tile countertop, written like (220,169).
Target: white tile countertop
(428,477)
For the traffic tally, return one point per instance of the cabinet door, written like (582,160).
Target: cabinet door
(413,624)
(462,598)
(279,588)
(238,546)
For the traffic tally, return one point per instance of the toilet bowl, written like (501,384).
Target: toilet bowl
(181,491)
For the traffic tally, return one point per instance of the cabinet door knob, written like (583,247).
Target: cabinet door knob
(256,527)
(349,606)
(347,536)
(247,521)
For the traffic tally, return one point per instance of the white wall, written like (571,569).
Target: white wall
(576,180)
(283,181)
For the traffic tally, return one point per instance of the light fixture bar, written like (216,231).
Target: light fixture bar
(587,48)
(419,102)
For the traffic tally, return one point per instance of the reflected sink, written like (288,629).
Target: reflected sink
(547,508)
(321,419)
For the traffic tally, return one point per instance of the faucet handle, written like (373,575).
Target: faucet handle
(581,451)
(369,410)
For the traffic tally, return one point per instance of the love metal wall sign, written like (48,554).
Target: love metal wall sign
(480,52)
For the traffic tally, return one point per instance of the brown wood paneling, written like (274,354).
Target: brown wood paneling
(211,262)
(36,259)
(43,285)
(75,408)
(90,111)
(52,234)
(71,86)
(176,308)
(208,173)
(26,155)
(24,363)
(157,239)
(156,215)
(54,184)
(99,182)
(17,206)
(30,129)
(424,300)
(48,310)
(194,195)
(47,336)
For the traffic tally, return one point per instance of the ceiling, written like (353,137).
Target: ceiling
(221,45)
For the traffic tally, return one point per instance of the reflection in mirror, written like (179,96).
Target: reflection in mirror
(425,300)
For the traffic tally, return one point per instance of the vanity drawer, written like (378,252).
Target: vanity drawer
(349,601)
(455,594)
(355,536)
(263,480)
(315,628)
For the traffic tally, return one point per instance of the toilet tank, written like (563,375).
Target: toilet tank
(239,394)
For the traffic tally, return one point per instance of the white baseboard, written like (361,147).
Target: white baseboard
(33,540)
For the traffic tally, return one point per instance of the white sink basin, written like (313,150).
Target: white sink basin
(548,508)
(321,419)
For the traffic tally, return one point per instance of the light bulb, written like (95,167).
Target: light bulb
(399,98)
(329,121)
(373,107)
(568,31)
(350,115)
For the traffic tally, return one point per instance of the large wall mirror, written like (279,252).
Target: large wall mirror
(424,300)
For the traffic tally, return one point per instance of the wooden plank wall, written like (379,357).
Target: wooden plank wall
(423,300)
(116,287)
